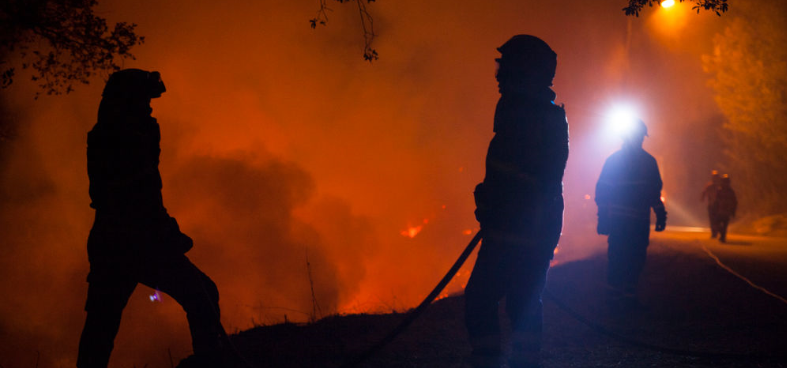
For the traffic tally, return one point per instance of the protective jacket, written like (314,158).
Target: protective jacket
(125,188)
(524,164)
(726,203)
(709,193)
(629,186)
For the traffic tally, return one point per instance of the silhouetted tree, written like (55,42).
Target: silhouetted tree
(750,80)
(62,41)
(367,22)
(717,6)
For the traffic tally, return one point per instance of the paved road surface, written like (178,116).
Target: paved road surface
(691,303)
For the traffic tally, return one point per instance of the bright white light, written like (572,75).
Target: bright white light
(667,3)
(622,120)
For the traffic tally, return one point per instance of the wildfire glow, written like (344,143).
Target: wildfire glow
(412,231)
(667,3)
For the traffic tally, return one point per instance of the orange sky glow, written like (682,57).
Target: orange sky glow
(282,146)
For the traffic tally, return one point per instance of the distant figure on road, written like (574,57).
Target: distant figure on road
(133,239)
(629,186)
(709,195)
(519,205)
(725,206)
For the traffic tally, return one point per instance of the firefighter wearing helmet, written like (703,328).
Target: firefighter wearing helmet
(519,206)
(134,240)
(628,187)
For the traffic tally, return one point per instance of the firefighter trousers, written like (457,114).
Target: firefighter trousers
(514,269)
(112,283)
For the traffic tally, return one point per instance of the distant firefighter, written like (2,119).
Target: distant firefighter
(709,195)
(519,205)
(725,206)
(629,186)
(133,239)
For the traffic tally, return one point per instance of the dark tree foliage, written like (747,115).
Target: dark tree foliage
(367,24)
(718,6)
(62,41)
(749,77)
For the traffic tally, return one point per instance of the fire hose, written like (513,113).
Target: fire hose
(413,314)
(416,312)
(598,328)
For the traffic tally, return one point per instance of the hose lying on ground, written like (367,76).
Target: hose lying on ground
(413,314)
(597,327)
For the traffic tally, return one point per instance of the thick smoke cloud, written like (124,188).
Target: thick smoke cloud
(258,250)
(280,145)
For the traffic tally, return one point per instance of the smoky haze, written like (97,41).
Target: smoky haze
(294,164)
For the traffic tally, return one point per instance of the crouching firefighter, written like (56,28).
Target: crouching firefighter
(628,187)
(519,205)
(133,239)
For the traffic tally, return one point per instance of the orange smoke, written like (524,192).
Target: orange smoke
(282,147)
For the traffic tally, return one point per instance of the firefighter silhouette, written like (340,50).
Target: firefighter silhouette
(628,187)
(133,239)
(709,195)
(519,205)
(725,206)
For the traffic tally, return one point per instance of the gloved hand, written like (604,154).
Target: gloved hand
(661,221)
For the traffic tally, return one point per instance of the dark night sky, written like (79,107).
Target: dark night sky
(281,143)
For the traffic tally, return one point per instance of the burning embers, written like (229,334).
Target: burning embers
(412,231)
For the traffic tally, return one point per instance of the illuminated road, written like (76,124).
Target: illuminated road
(762,260)
(695,312)
(704,299)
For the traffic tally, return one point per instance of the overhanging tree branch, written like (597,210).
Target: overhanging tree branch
(367,22)
(717,6)
(62,41)
(367,25)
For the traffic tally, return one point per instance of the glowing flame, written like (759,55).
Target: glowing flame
(667,3)
(155,297)
(412,231)
(664,199)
